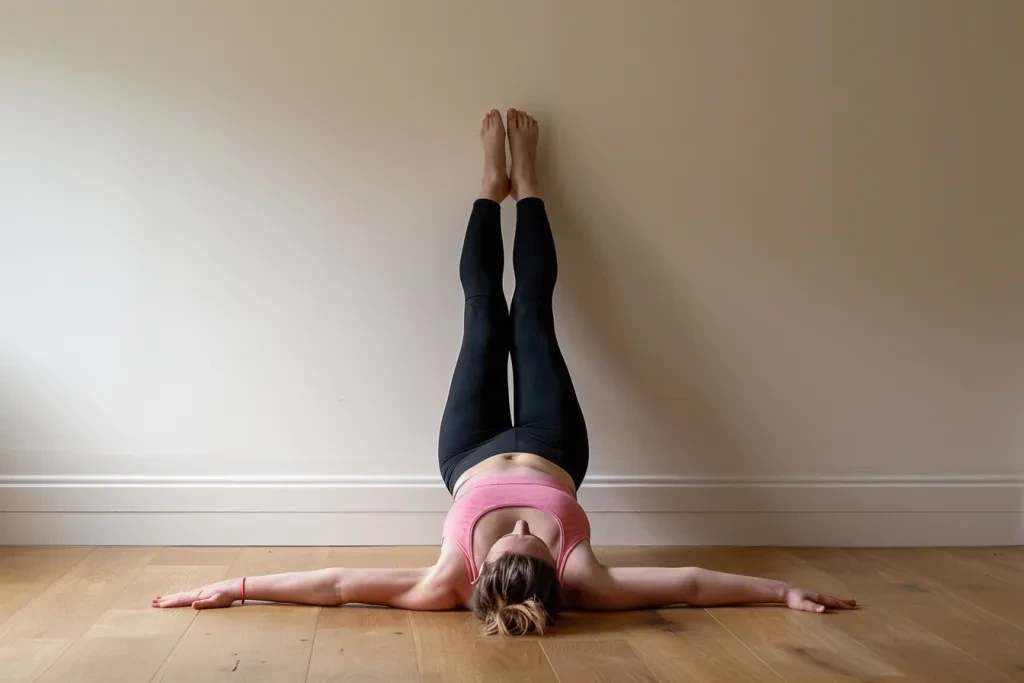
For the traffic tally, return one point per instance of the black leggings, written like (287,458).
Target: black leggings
(548,420)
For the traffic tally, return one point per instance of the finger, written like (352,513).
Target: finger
(204,604)
(177,600)
(811,606)
(837,603)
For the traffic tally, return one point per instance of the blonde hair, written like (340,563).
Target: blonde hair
(516,595)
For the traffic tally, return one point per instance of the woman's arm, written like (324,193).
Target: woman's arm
(416,589)
(620,588)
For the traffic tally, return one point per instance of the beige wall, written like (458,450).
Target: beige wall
(791,233)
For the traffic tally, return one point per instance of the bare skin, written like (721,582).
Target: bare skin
(523,133)
(586,583)
(521,541)
(495,183)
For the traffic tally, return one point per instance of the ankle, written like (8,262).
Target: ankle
(496,191)
(524,188)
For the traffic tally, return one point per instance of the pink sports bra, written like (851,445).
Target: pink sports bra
(480,495)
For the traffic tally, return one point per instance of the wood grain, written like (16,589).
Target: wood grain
(449,648)
(26,572)
(679,644)
(871,642)
(256,561)
(600,661)
(963,578)
(36,635)
(363,644)
(253,643)
(389,557)
(130,640)
(976,632)
(82,614)
(695,648)
(1011,558)
(191,557)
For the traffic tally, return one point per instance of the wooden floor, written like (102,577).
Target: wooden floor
(929,615)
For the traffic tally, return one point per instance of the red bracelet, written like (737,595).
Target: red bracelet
(243,590)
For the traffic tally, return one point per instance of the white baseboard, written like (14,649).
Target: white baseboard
(632,510)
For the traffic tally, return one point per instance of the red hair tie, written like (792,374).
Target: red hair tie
(243,590)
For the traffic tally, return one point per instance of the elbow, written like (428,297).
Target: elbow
(689,587)
(337,595)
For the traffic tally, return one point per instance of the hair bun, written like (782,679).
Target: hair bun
(520,619)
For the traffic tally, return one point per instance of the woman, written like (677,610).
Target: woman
(516,545)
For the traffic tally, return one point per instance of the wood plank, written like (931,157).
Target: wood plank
(257,561)
(389,556)
(254,643)
(974,631)
(131,640)
(449,648)
(26,572)
(681,644)
(262,642)
(656,556)
(940,617)
(802,650)
(607,625)
(192,557)
(600,661)
(988,564)
(1008,557)
(36,636)
(797,647)
(963,578)
(695,648)
(868,644)
(363,644)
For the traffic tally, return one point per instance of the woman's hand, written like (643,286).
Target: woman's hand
(806,601)
(221,594)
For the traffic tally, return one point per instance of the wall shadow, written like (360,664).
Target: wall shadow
(685,414)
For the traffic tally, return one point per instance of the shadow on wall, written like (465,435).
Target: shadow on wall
(863,358)
(615,330)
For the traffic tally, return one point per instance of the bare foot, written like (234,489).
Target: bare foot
(492,134)
(522,140)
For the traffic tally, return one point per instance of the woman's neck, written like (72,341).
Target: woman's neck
(497,523)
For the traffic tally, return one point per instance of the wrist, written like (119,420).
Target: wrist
(782,592)
(234,589)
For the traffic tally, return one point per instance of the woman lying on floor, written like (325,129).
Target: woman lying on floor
(516,546)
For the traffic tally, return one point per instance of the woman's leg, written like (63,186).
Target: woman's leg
(477,408)
(546,405)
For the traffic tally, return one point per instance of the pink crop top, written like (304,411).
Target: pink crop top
(480,495)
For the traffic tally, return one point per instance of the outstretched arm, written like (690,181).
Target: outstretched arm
(620,588)
(416,589)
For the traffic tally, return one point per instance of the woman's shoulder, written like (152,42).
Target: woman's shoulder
(581,567)
(451,572)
